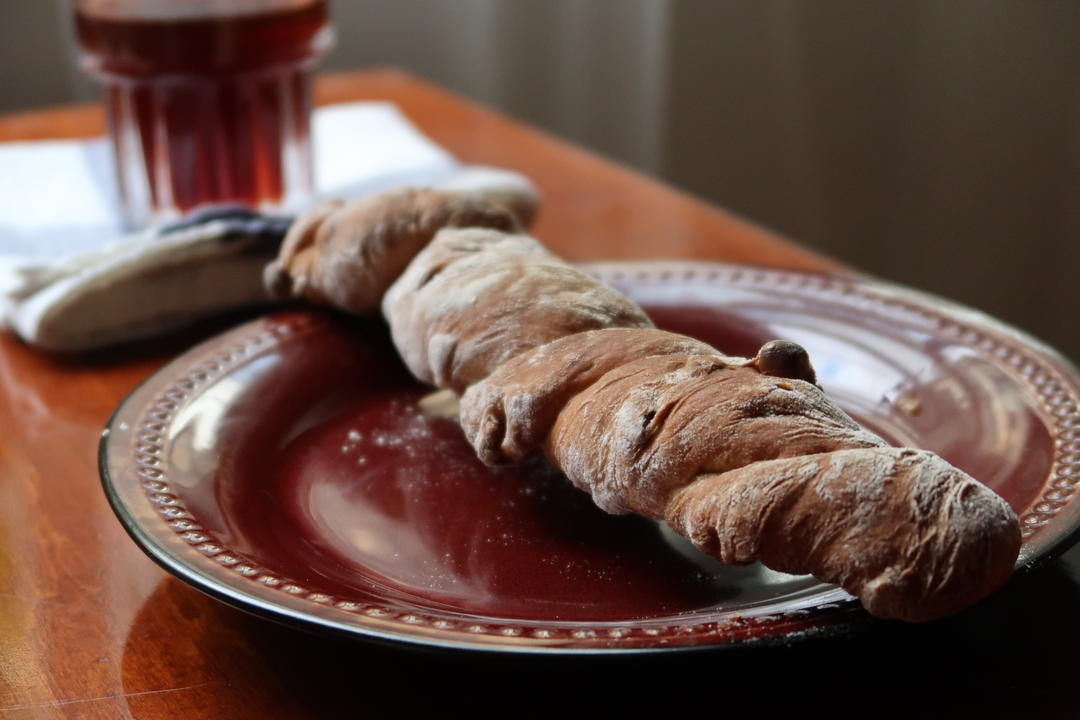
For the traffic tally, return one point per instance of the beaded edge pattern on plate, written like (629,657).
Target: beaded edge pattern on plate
(1058,402)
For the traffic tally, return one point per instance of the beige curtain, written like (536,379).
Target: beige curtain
(593,70)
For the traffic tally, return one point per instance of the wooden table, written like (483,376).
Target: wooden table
(91,628)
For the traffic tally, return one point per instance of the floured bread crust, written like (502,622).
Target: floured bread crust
(508,414)
(745,457)
(902,530)
(348,254)
(650,426)
(474,298)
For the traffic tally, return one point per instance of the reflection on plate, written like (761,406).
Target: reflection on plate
(285,468)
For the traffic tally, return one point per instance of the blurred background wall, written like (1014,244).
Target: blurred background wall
(935,143)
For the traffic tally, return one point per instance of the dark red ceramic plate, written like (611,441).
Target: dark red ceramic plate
(285,468)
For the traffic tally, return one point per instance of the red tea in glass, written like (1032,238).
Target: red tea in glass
(209,100)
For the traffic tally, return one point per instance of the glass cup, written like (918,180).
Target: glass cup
(209,101)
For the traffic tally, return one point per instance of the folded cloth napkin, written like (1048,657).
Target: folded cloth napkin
(63,250)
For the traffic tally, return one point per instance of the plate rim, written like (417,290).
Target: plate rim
(294,615)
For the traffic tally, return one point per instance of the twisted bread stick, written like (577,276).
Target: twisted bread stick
(902,530)
(746,458)
(757,468)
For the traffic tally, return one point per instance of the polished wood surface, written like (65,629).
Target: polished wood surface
(91,628)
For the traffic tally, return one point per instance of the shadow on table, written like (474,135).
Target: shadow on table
(1015,653)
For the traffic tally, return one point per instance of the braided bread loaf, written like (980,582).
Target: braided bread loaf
(745,457)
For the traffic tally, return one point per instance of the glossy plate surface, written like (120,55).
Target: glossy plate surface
(286,468)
